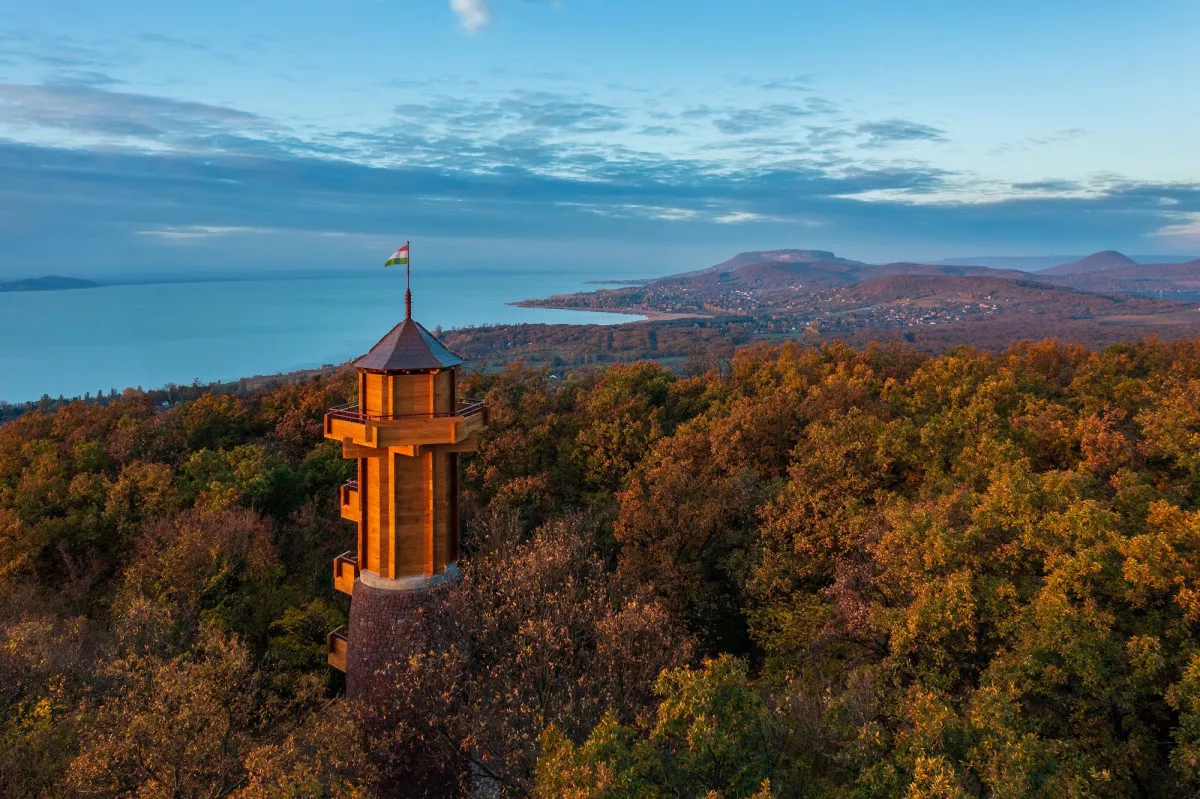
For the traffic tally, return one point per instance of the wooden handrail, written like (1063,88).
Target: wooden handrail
(350,413)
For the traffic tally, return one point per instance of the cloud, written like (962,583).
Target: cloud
(740,217)
(528,166)
(472,14)
(699,112)
(523,188)
(547,111)
(1032,142)
(63,52)
(85,77)
(749,120)
(892,131)
(1185,231)
(1050,186)
(83,108)
(795,83)
(653,212)
(192,232)
(171,41)
(659,130)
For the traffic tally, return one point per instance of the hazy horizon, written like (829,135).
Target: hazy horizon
(152,276)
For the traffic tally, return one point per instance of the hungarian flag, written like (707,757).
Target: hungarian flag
(399,257)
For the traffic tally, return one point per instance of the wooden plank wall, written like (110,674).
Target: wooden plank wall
(378,517)
(443,391)
(445,509)
(378,394)
(412,394)
(365,497)
(414,495)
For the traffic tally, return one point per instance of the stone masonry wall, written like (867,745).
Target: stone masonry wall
(381,631)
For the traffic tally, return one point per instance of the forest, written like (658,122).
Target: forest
(793,571)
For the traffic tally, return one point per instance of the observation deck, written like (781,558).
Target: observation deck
(348,424)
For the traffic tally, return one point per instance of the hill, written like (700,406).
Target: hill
(1031,294)
(956,270)
(1024,263)
(767,273)
(48,283)
(1181,280)
(817,268)
(937,312)
(1096,262)
(768,276)
(1033,263)
(776,256)
(814,293)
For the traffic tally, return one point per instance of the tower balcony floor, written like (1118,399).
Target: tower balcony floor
(347,422)
(345,572)
(349,501)
(336,647)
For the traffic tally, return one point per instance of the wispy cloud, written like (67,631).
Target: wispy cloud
(472,14)
(1050,186)
(741,217)
(63,52)
(1031,142)
(659,130)
(749,120)
(521,109)
(795,83)
(1185,231)
(891,131)
(193,232)
(84,108)
(171,41)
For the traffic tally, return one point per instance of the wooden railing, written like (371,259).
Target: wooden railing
(351,413)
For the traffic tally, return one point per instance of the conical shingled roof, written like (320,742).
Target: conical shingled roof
(408,346)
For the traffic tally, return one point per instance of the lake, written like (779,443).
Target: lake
(69,342)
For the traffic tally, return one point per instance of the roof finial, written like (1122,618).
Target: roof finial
(407,292)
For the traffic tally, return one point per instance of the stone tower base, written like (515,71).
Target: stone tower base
(383,630)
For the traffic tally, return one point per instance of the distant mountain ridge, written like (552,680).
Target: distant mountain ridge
(1034,263)
(815,294)
(1105,272)
(1181,278)
(48,283)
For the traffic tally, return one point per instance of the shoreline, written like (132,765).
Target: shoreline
(645,314)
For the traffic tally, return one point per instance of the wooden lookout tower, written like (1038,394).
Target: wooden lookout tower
(405,433)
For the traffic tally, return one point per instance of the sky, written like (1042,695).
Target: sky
(163,139)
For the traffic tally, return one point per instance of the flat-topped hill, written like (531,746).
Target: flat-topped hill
(48,283)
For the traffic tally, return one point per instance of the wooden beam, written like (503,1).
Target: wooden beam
(352,450)
(468,444)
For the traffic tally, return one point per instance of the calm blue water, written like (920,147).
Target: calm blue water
(69,342)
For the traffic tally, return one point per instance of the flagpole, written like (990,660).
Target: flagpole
(408,282)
